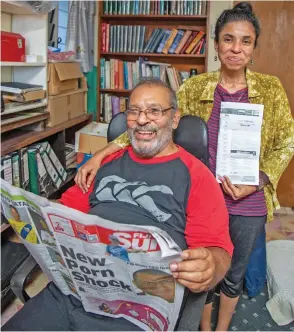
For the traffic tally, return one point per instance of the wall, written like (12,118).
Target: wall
(6,72)
(216,8)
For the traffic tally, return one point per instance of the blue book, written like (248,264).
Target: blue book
(150,40)
(102,73)
(164,39)
(176,41)
(126,76)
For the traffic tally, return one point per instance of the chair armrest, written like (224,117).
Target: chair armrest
(20,276)
(191,315)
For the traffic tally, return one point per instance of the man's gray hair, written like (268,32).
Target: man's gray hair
(154,81)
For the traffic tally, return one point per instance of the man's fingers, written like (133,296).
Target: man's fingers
(197,253)
(84,174)
(193,286)
(197,265)
(198,277)
(90,179)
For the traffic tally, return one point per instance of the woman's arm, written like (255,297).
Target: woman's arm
(87,172)
(282,151)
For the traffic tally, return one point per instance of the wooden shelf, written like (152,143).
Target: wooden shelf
(13,7)
(115,90)
(154,55)
(155,17)
(21,139)
(22,64)
(17,123)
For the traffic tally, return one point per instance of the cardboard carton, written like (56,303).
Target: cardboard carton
(91,138)
(66,106)
(63,76)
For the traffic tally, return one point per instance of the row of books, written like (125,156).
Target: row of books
(35,168)
(118,74)
(142,39)
(111,105)
(155,7)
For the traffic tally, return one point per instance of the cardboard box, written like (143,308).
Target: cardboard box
(91,138)
(66,106)
(63,76)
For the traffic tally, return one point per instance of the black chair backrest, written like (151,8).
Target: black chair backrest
(191,134)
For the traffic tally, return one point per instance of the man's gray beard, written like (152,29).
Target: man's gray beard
(158,144)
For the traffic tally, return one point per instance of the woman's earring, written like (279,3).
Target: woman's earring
(251,62)
(215,58)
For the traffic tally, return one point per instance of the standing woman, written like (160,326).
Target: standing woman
(236,35)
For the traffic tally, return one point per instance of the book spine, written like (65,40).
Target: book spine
(24,168)
(46,186)
(153,35)
(115,105)
(164,39)
(189,41)
(6,169)
(33,172)
(102,73)
(55,178)
(187,34)
(194,42)
(60,169)
(15,169)
(170,41)
(176,42)
(103,46)
(156,41)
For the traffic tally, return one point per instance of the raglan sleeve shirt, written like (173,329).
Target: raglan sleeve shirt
(207,219)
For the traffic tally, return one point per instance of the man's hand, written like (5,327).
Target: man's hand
(236,191)
(86,174)
(196,271)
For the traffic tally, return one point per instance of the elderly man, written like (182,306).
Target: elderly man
(153,182)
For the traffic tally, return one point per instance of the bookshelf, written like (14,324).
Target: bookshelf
(181,62)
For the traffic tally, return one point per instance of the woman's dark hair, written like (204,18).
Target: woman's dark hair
(241,12)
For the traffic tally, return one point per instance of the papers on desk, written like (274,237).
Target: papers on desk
(239,140)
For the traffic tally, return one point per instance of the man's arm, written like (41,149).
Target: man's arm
(88,171)
(222,261)
(207,233)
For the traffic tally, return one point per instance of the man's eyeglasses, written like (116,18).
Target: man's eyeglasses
(152,113)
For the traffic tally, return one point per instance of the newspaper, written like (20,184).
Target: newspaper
(239,139)
(114,269)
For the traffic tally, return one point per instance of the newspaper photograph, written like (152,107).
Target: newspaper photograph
(114,269)
(239,142)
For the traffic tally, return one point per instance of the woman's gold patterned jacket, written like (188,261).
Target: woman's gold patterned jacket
(195,97)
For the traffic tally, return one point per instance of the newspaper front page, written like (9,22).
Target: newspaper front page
(114,269)
(239,142)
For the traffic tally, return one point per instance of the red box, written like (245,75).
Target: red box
(12,47)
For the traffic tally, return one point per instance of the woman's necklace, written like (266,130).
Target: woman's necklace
(235,85)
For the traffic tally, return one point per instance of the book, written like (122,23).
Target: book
(44,179)
(57,164)
(6,169)
(56,180)
(15,169)
(16,87)
(24,168)
(33,171)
